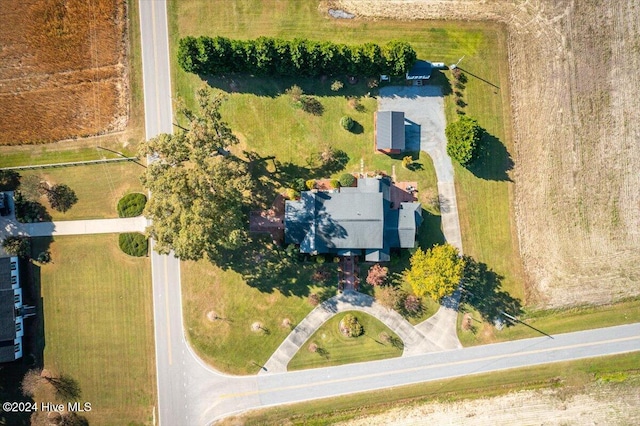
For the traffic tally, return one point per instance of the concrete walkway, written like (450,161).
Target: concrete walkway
(415,342)
(72,227)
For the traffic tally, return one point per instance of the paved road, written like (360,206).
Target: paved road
(171,350)
(275,389)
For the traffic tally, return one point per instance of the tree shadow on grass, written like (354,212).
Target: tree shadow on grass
(9,180)
(439,79)
(481,289)
(273,87)
(493,161)
(356,128)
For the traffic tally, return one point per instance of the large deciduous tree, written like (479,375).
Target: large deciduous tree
(463,137)
(61,197)
(198,190)
(435,272)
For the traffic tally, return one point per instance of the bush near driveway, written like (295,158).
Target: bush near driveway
(131,205)
(463,137)
(133,244)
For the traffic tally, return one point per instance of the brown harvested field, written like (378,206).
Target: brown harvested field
(62,69)
(575,84)
(600,403)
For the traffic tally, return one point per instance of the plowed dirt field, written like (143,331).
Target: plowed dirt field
(62,69)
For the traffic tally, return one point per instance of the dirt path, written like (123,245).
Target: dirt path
(575,84)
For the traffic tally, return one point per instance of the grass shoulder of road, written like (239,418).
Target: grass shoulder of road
(552,322)
(98,326)
(621,370)
(98,187)
(333,348)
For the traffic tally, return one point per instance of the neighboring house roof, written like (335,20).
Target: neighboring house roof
(10,304)
(359,218)
(421,70)
(390,130)
(7,316)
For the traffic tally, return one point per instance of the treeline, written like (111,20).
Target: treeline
(298,57)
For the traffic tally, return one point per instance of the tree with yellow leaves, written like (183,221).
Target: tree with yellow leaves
(435,272)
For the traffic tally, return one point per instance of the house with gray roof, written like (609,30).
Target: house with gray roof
(11,310)
(352,221)
(389,131)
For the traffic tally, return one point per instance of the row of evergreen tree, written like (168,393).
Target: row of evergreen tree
(298,57)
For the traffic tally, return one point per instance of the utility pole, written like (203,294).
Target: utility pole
(454,66)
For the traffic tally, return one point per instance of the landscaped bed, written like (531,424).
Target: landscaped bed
(329,345)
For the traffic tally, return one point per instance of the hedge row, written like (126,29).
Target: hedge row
(298,57)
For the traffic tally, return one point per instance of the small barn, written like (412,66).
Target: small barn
(389,132)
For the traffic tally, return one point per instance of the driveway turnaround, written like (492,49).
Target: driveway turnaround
(414,342)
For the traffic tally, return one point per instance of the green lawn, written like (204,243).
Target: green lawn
(228,343)
(569,376)
(98,187)
(553,322)
(98,326)
(485,192)
(336,349)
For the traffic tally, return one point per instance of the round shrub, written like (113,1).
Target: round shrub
(133,244)
(334,183)
(131,205)
(350,327)
(463,137)
(347,179)
(346,122)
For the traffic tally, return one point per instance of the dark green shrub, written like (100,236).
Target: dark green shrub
(134,244)
(463,137)
(298,57)
(346,122)
(131,205)
(347,179)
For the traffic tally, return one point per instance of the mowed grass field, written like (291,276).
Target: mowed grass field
(98,327)
(336,349)
(229,343)
(98,188)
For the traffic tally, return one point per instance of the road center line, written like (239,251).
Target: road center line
(427,367)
